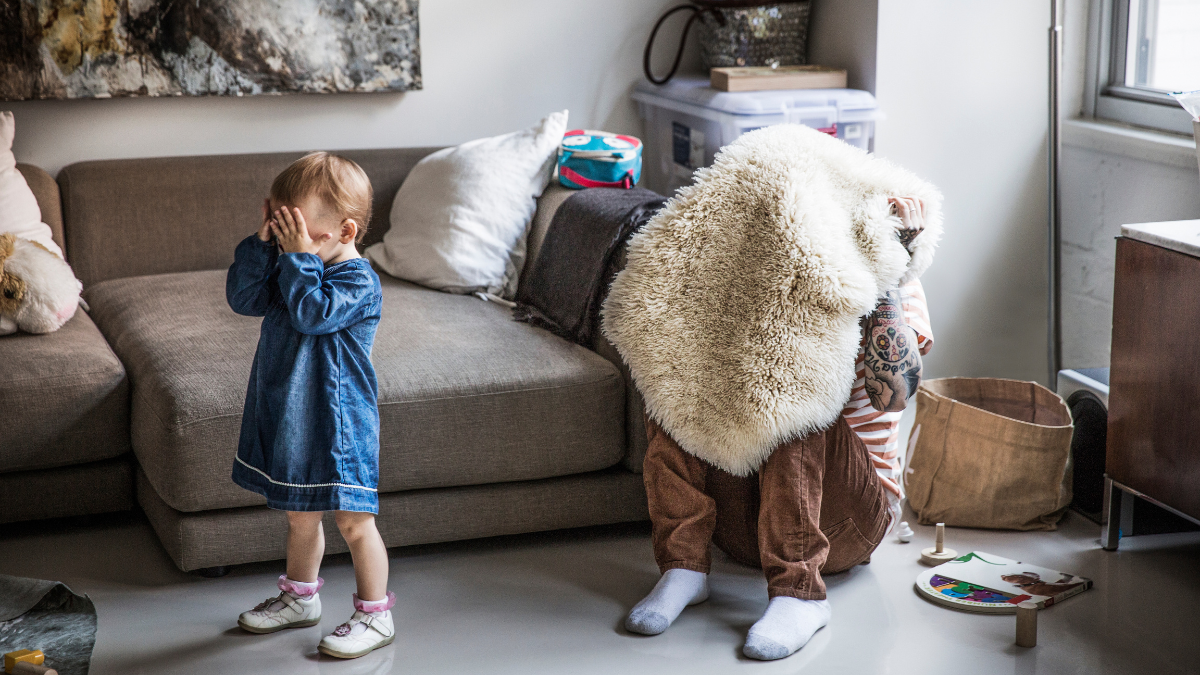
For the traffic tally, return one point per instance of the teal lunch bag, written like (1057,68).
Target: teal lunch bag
(599,159)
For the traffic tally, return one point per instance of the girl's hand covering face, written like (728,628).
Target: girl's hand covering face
(264,230)
(292,233)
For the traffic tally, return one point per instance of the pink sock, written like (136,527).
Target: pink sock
(375,606)
(300,589)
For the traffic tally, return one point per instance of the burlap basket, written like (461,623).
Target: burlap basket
(989,453)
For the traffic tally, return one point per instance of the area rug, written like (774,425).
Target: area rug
(46,615)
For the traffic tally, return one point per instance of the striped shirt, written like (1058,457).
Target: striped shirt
(880,431)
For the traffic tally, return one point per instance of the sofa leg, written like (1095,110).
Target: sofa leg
(212,572)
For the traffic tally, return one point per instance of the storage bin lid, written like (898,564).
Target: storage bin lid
(698,92)
(1177,235)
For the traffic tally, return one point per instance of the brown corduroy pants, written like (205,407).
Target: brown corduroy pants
(816,505)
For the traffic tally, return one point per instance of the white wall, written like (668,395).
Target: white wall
(843,34)
(964,87)
(1103,190)
(488,68)
(1110,177)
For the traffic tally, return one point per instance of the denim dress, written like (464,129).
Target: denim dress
(310,426)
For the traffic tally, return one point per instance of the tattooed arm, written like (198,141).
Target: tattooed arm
(893,362)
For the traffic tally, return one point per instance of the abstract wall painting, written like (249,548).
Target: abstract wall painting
(61,49)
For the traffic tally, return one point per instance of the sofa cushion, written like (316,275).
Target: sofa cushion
(113,209)
(467,395)
(64,398)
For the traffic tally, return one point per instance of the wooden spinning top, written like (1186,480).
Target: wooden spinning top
(938,553)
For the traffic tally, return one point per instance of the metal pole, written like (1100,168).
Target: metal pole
(1054,263)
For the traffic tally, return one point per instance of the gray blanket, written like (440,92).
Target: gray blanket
(46,615)
(564,290)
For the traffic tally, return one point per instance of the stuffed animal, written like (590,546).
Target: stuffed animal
(38,290)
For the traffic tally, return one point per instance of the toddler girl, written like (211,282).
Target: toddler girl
(310,428)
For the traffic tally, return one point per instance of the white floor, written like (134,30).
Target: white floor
(554,603)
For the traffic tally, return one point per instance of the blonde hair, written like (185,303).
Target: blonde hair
(335,179)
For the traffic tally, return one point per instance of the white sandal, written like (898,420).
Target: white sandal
(280,612)
(361,635)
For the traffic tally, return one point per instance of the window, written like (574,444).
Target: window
(1141,51)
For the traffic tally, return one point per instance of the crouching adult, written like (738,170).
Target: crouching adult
(817,501)
(819,504)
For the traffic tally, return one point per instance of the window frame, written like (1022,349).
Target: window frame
(1106,96)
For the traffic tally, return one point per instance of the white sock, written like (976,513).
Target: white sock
(677,589)
(785,627)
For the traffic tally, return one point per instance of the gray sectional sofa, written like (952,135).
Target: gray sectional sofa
(488,426)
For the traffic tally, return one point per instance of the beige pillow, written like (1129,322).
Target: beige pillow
(19,212)
(461,218)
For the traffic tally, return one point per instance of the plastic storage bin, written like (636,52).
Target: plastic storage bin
(688,122)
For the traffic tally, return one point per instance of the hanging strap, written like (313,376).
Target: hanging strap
(695,10)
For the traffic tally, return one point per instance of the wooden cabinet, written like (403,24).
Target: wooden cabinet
(1154,397)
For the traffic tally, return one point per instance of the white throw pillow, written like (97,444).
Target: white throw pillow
(460,220)
(19,212)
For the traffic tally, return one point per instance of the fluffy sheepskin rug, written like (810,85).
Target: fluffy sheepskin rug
(738,311)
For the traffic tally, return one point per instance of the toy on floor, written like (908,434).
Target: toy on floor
(938,553)
(987,583)
(904,533)
(27,662)
(1027,624)
(34,656)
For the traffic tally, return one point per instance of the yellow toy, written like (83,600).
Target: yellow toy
(34,656)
